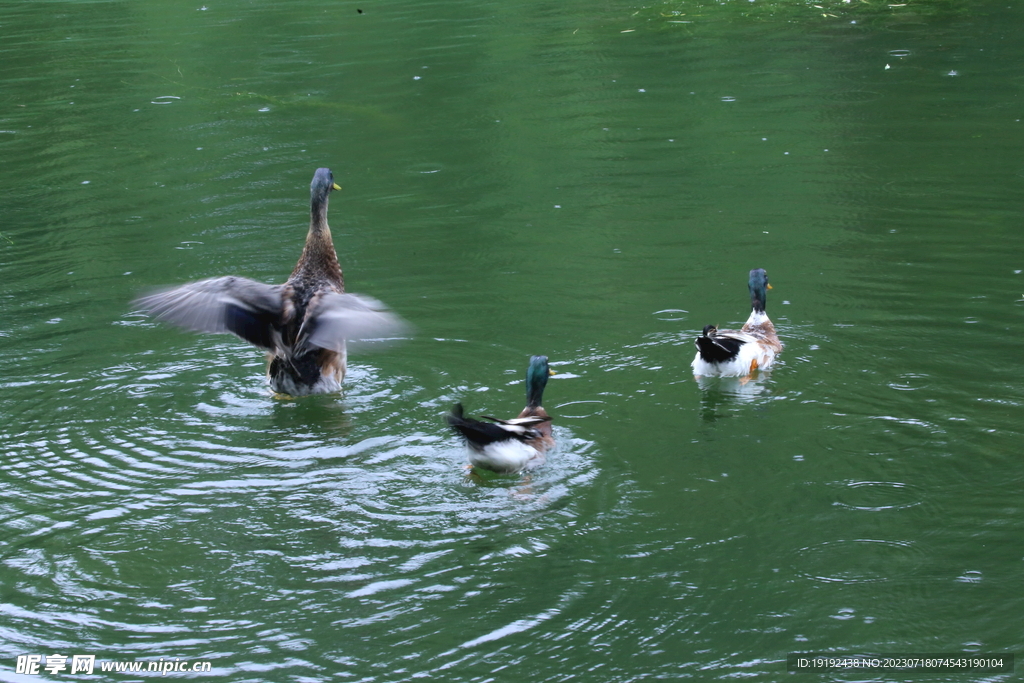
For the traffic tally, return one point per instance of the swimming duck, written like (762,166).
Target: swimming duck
(733,353)
(510,446)
(302,324)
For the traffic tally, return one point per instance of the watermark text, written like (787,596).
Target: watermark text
(55,664)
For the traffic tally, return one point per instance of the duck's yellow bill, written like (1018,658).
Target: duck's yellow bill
(769,286)
(337,186)
(551,372)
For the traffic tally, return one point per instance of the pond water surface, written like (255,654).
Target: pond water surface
(588,181)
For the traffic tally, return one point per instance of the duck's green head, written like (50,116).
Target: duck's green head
(323,183)
(536,379)
(758,289)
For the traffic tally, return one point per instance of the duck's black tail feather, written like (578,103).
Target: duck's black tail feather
(714,349)
(477,433)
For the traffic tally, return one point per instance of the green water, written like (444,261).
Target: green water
(590,182)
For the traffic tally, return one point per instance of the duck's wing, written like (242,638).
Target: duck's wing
(737,335)
(332,318)
(250,309)
(529,421)
(722,345)
(480,434)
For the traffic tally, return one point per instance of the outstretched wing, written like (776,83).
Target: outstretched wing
(332,318)
(250,309)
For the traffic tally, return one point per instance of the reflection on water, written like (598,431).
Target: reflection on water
(739,389)
(719,395)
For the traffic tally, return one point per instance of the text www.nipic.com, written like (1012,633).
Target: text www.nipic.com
(55,664)
(162,666)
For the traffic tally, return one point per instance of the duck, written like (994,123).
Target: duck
(510,446)
(303,324)
(739,353)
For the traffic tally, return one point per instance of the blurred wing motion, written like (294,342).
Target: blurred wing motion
(259,314)
(250,309)
(333,318)
(304,323)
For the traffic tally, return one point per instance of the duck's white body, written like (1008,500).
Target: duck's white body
(507,457)
(754,353)
(740,353)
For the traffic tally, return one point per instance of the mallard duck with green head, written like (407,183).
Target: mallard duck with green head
(510,446)
(738,353)
(303,324)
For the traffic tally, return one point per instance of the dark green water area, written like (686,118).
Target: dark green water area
(589,181)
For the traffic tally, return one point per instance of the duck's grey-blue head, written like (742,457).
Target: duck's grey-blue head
(536,379)
(758,289)
(323,183)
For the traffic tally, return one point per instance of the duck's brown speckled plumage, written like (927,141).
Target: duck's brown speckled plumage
(303,324)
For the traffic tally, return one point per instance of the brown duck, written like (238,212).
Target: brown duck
(303,324)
